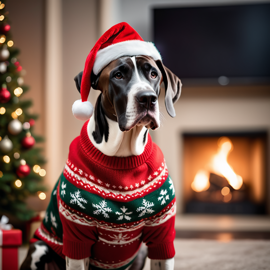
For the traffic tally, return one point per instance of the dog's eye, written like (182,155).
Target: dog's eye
(153,74)
(118,76)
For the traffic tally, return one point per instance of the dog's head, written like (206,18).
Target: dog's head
(130,88)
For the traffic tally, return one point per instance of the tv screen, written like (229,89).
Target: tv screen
(215,44)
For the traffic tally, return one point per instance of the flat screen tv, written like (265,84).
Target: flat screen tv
(227,44)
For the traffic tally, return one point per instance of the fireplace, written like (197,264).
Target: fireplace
(225,172)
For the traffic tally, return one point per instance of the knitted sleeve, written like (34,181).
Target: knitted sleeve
(78,237)
(159,240)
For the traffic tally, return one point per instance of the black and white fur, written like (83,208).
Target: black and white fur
(124,112)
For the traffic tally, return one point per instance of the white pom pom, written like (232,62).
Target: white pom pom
(82,110)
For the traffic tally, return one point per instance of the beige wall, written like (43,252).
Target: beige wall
(79,36)
(27,29)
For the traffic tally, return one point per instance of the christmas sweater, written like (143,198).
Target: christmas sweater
(104,207)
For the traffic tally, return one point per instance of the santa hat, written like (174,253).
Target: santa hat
(119,40)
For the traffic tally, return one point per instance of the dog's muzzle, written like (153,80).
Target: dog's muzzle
(147,99)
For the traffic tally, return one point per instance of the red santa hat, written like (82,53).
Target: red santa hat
(119,40)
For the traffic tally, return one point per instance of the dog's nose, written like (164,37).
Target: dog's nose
(147,99)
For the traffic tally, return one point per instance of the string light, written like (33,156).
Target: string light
(1,174)
(19,111)
(2,6)
(10,43)
(0,138)
(16,155)
(23,162)
(2,110)
(2,17)
(18,91)
(14,115)
(36,168)
(42,172)
(42,195)
(2,39)
(18,183)
(6,159)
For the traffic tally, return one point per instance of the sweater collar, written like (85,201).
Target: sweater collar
(91,153)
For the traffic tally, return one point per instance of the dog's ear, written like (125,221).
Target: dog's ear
(78,80)
(173,87)
(94,80)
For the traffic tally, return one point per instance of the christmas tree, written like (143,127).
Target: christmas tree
(21,171)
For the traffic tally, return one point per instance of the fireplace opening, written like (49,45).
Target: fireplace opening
(225,172)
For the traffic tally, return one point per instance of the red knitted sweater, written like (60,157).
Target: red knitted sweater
(103,207)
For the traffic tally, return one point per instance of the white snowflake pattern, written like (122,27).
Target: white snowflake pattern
(142,182)
(150,177)
(107,184)
(146,208)
(155,173)
(137,185)
(53,220)
(164,196)
(131,186)
(126,188)
(124,214)
(54,192)
(63,186)
(171,186)
(77,199)
(120,187)
(120,238)
(102,209)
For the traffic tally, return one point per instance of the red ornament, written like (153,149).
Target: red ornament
(31,122)
(28,142)
(6,28)
(23,170)
(19,68)
(4,95)
(17,63)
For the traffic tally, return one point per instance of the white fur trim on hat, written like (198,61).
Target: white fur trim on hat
(129,47)
(82,110)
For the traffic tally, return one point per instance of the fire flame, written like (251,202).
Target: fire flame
(201,181)
(219,166)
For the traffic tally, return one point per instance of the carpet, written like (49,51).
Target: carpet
(195,254)
(226,254)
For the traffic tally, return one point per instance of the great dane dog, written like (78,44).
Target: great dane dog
(124,112)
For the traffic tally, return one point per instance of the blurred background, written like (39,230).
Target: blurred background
(217,148)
